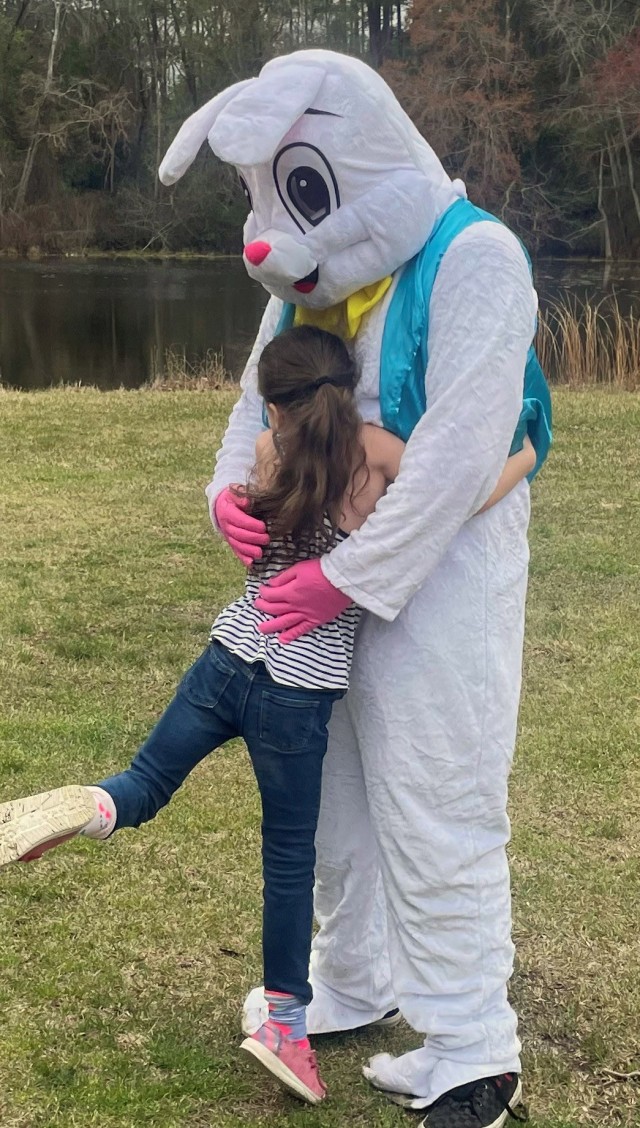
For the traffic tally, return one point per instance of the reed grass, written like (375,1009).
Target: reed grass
(584,344)
(579,343)
(174,373)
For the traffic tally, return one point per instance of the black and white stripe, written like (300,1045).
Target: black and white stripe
(320,660)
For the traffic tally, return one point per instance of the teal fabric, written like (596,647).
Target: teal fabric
(404,356)
(286,318)
(285,322)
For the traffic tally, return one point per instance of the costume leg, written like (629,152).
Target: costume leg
(349,962)
(435,699)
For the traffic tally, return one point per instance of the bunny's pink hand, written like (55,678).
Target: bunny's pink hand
(300,599)
(244,534)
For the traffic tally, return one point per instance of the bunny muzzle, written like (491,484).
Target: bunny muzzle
(356,245)
(278,259)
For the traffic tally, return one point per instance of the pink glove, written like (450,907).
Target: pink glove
(244,534)
(300,599)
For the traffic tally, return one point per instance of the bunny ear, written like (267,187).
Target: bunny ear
(250,126)
(193,133)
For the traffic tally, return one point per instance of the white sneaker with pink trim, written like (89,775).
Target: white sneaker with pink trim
(31,825)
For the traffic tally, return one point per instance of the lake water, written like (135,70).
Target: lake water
(109,323)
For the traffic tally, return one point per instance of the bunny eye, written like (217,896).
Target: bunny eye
(309,193)
(247,193)
(306,184)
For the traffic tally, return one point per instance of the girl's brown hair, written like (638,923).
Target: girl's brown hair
(309,376)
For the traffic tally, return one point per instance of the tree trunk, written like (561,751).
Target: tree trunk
(189,73)
(627,149)
(25,176)
(615,177)
(24,8)
(27,168)
(379,21)
(54,44)
(605,219)
(156,180)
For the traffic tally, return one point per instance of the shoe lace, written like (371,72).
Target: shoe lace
(312,1060)
(522,1117)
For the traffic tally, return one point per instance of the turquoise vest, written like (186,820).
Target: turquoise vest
(404,355)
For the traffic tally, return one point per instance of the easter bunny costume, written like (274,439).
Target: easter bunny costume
(412,897)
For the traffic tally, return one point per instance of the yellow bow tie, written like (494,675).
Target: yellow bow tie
(345,317)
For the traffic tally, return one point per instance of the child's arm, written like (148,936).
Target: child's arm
(266,459)
(517,468)
(383,450)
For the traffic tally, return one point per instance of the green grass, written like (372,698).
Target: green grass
(124,966)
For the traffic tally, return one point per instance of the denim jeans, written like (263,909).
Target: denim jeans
(285,730)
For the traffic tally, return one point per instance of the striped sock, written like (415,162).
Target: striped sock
(289,1014)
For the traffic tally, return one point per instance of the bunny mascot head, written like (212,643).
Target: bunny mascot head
(351,210)
(341,186)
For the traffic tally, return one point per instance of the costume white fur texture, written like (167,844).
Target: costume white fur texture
(412,891)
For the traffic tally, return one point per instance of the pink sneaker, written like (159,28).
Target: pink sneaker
(294,1066)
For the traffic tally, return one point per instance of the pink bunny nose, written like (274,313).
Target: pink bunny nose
(256,252)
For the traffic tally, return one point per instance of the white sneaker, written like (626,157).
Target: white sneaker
(43,820)
(391,1018)
(256,1012)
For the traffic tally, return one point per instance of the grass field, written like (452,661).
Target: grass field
(124,965)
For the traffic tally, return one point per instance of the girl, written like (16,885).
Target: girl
(319,473)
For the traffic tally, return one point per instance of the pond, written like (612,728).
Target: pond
(110,322)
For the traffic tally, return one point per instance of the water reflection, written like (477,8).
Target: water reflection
(589,280)
(109,323)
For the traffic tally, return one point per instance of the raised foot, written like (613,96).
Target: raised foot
(36,823)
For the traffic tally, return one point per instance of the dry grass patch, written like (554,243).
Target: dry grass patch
(583,344)
(174,373)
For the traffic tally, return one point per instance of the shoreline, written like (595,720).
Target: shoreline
(198,256)
(97,255)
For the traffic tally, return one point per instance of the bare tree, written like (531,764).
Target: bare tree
(37,135)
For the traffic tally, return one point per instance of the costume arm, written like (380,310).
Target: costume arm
(482,317)
(237,455)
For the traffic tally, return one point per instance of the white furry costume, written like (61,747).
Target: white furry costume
(412,879)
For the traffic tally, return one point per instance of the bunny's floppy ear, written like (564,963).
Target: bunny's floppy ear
(191,135)
(250,126)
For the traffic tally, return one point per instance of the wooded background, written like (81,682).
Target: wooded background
(534,103)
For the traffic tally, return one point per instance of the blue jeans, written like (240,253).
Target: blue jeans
(285,730)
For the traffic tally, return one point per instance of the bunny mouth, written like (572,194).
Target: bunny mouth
(308,283)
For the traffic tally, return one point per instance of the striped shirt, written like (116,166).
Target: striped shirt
(319,660)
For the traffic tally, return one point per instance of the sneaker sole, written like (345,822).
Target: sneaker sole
(28,823)
(279,1070)
(387,1021)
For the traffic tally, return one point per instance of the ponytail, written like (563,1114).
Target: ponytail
(309,374)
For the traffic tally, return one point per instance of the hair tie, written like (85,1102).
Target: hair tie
(340,380)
